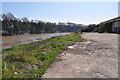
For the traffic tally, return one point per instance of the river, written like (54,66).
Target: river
(9,41)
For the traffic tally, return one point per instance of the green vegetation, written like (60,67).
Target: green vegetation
(101,28)
(31,60)
(91,28)
(105,27)
(14,26)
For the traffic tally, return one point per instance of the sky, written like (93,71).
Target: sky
(76,12)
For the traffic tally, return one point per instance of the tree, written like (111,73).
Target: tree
(17,26)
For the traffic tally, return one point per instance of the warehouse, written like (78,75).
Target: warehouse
(113,24)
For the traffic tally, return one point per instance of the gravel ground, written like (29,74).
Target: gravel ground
(97,57)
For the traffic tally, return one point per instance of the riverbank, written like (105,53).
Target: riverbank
(31,60)
(10,41)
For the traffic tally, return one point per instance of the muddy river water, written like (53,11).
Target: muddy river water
(9,41)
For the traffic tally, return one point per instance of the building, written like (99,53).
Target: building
(116,26)
(114,23)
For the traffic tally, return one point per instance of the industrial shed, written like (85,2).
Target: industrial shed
(114,24)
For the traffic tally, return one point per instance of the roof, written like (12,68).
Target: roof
(112,20)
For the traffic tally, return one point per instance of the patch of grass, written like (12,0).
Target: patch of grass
(105,32)
(31,60)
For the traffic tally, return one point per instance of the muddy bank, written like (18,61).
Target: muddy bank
(10,41)
(97,57)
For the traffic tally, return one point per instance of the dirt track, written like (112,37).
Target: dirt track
(97,57)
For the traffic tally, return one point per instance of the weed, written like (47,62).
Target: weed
(31,60)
